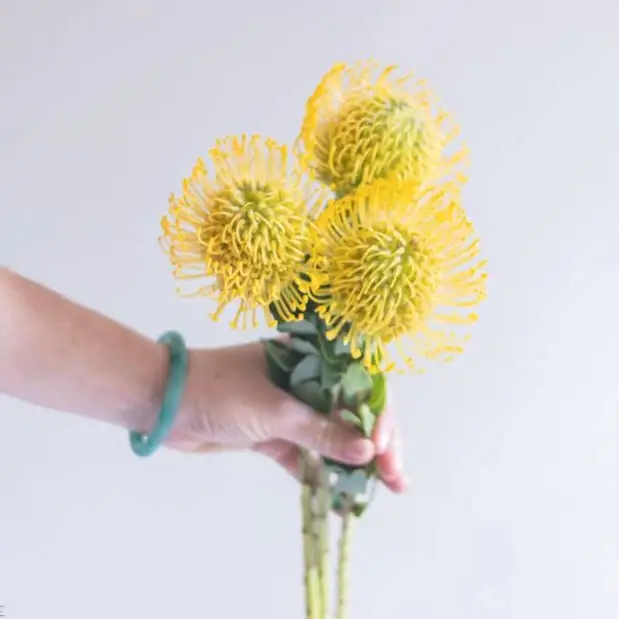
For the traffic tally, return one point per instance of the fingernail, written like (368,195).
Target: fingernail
(383,440)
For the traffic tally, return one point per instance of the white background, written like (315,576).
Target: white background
(513,449)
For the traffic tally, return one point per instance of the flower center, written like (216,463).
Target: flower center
(374,137)
(383,280)
(255,236)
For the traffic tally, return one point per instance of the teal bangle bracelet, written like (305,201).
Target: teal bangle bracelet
(147,444)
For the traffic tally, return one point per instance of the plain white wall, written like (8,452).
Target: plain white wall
(514,449)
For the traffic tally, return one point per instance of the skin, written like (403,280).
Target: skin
(62,356)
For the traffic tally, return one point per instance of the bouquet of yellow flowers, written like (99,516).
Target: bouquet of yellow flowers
(355,244)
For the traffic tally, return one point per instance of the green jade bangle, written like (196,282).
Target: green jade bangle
(147,444)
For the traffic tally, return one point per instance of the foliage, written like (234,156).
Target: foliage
(323,374)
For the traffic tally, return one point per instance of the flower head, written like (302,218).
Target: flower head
(397,272)
(247,229)
(362,125)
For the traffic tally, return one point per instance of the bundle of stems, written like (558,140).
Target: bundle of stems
(316,507)
(322,373)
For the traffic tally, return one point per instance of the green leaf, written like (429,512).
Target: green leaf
(298,327)
(280,361)
(356,383)
(277,376)
(327,349)
(303,346)
(353,483)
(366,419)
(280,354)
(337,502)
(329,376)
(311,393)
(378,397)
(338,467)
(349,417)
(360,506)
(340,348)
(307,369)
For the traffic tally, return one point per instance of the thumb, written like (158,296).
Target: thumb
(311,430)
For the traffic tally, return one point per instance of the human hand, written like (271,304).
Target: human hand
(231,404)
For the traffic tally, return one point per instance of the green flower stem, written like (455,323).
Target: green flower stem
(322,516)
(343,559)
(322,373)
(313,600)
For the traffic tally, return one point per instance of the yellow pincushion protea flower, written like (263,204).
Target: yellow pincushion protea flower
(248,229)
(397,272)
(363,124)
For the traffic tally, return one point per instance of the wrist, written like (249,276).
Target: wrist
(140,414)
(143,417)
(187,417)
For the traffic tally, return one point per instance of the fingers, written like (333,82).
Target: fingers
(389,453)
(383,431)
(311,430)
(390,467)
(389,462)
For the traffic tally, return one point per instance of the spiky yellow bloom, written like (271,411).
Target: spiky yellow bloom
(247,229)
(398,273)
(364,124)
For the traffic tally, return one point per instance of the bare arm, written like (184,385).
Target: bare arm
(59,355)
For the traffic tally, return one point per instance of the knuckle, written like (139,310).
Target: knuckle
(324,434)
(328,438)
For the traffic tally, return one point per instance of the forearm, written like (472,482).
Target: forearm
(59,355)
